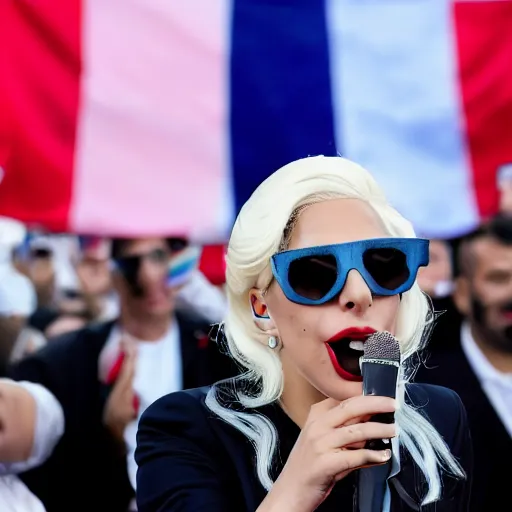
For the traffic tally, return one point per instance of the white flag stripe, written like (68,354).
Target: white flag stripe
(155,92)
(397,107)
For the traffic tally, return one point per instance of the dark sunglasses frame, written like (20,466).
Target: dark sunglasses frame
(177,244)
(131,264)
(41,253)
(349,256)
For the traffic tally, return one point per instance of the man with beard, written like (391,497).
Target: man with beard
(479,366)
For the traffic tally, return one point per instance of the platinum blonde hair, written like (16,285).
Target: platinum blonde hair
(264,227)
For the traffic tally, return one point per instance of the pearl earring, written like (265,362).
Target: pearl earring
(272,342)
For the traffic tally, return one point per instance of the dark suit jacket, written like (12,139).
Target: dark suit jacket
(191,461)
(492,445)
(446,333)
(87,471)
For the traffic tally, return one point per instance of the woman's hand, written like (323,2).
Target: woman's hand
(330,446)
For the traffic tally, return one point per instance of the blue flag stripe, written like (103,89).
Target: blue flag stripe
(281,106)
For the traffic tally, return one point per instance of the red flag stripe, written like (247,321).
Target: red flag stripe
(213,263)
(40,84)
(485,56)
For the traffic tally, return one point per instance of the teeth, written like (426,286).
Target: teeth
(356,345)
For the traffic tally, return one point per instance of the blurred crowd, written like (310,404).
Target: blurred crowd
(92,331)
(107,326)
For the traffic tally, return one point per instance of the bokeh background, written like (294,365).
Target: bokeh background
(156,120)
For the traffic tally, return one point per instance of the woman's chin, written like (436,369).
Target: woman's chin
(340,389)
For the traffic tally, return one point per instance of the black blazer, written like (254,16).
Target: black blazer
(492,445)
(191,461)
(87,471)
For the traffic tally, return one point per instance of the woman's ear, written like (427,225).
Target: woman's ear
(260,313)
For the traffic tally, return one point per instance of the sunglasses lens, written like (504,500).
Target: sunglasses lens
(159,256)
(388,267)
(41,253)
(312,277)
(177,244)
(72,294)
(129,266)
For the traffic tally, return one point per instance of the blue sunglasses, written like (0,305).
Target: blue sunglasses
(315,275)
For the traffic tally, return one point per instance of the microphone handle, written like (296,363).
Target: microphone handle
(379,378)
(371,488)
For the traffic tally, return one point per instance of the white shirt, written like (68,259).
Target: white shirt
(14,495)
(158,371)
(496,385)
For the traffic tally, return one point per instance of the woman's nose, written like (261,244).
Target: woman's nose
(355,295)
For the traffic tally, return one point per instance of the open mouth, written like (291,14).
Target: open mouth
(345,352)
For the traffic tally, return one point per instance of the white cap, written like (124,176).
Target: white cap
(5,256)
(17,294)
(12,233)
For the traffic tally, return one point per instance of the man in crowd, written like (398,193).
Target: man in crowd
(436,280)
(478,366)
(104,376)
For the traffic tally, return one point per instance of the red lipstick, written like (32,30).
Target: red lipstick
(352,333)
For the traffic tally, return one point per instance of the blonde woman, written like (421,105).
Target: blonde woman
(317,261)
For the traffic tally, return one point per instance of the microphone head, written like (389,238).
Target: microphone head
(382,345)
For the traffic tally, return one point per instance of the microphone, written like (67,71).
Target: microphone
(379,367)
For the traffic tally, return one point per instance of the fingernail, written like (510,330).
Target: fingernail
(386,455)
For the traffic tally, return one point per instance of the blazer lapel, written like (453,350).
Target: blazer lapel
(459,376)
(193,340)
